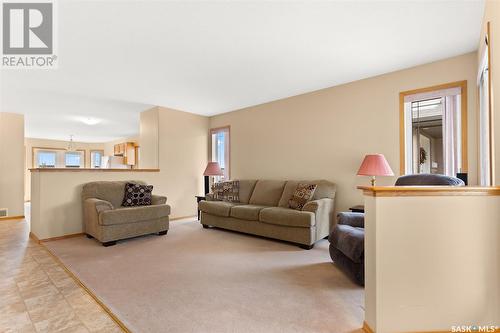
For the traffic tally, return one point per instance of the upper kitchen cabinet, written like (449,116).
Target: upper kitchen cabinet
(127,150)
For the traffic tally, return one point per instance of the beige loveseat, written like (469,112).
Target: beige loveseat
(106,220)
(263,210)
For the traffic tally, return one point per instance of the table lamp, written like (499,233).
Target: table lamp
(375,165)
(212,169)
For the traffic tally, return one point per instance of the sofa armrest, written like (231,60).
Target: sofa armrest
(98,204)
(92,208)
(352,219)
(158,199)
(323,211)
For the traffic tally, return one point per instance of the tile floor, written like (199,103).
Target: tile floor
(37,294)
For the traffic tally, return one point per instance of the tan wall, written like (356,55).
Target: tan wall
(44,143)
(427,269)
(183,155)
(326,133)
(12,163)
(492,15)
(148,139)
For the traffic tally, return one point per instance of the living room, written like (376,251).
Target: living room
(283,158)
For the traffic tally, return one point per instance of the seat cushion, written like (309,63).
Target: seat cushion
(350,241)
(133,214)
(287,217)
(267,192)
(247,212)
(219,208)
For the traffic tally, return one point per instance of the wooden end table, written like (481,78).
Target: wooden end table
(198,199)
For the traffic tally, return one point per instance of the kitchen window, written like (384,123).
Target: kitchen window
(96,158)
(73,159)
(46,159)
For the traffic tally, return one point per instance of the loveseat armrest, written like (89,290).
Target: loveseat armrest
(323,210)
(158,199)
(98,204)
(351,218)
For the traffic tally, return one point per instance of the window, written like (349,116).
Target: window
(72,159)
(433,133)
(46,159)
(220,151)
(96,158)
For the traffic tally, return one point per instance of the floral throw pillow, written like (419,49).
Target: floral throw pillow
(303,193)
(217,191)
(226,191)
(137,195)
(231,191)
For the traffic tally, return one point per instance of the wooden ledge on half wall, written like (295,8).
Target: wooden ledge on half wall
(418,191)
(90,169)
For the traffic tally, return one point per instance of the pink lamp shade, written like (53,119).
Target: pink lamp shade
(213,169)
(375,165)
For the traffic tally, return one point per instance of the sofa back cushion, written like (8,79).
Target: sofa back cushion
(325,189)
(267,192)
(246,189)
(112,191)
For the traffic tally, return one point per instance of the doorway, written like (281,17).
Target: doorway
(433,130)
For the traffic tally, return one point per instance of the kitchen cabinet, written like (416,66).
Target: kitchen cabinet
(127,150)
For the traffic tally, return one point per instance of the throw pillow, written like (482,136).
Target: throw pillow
(137,195)
(231,191)
(303,193)
(217,191)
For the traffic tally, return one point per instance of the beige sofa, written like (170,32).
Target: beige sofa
(263,210)
(106,220)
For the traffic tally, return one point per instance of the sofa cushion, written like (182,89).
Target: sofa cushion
(324,189)
(219,208)
(287,216)
(133,214)
(267,192)
(247,212)
(350,241)
(246,189)
(112,191)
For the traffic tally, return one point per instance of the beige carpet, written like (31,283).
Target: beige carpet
(210,280)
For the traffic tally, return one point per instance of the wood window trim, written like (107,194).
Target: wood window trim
(490,107)
(90,156)
(219,129)
(464,121)
(33,149)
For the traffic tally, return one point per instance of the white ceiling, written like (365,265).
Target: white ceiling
(117,58)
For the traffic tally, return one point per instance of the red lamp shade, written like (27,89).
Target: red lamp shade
(375,165)
(213,169)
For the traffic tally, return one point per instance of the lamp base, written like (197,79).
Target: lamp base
(373,181)
(207,185)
